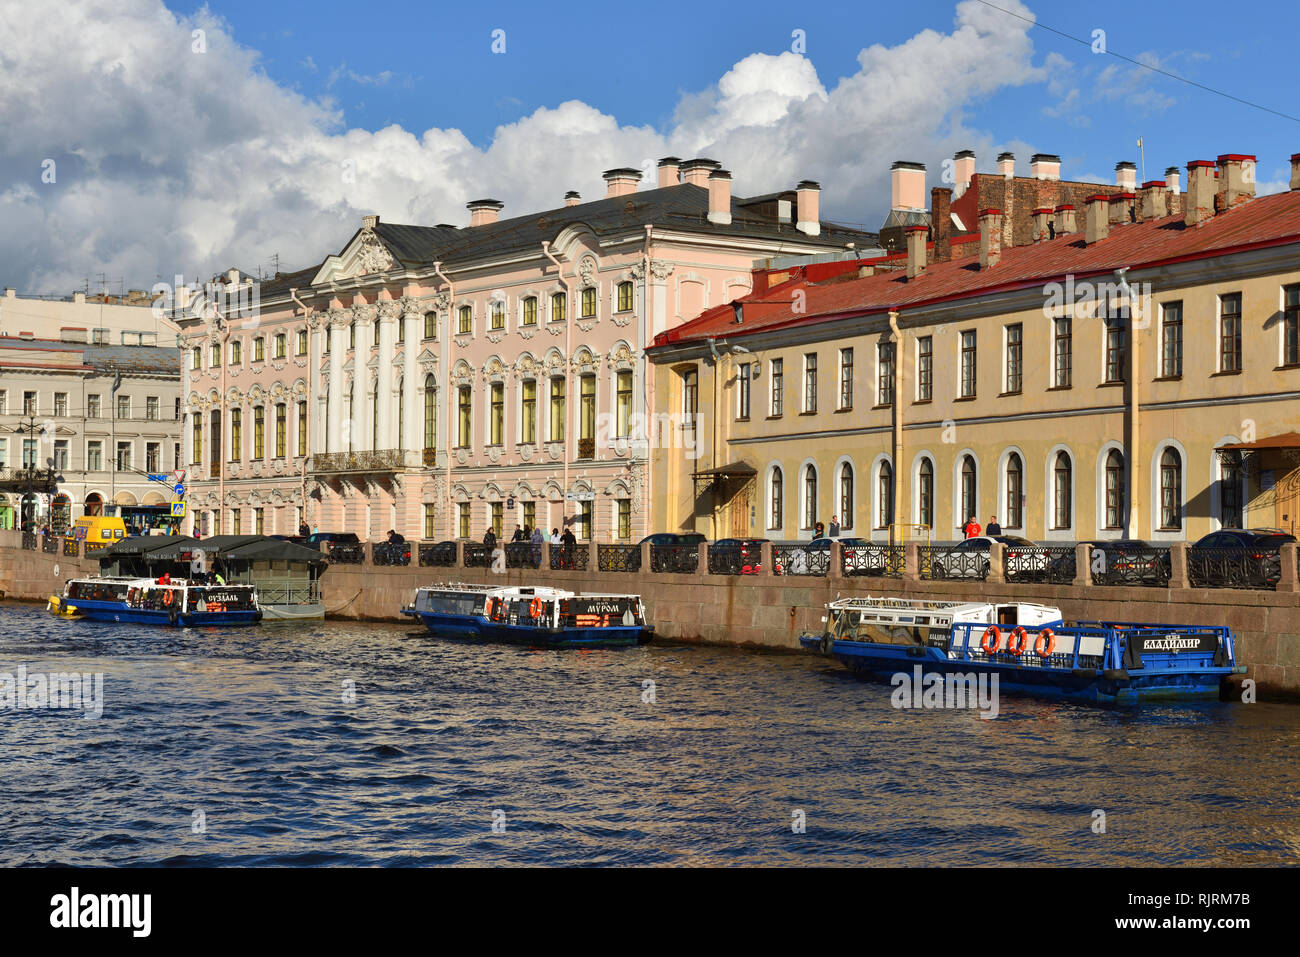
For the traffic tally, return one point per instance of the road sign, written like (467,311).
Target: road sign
(178,509)
(157,477)
(179,490)
(580,496)
(510,503)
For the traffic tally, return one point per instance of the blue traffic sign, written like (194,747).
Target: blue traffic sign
(179,490)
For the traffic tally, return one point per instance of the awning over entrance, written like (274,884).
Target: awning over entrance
(1287,440)
(725,473)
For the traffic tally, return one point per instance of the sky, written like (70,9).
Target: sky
(144,139)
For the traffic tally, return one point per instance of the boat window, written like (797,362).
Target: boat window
(1007,615)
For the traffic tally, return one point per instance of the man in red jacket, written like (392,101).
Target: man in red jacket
(972,528)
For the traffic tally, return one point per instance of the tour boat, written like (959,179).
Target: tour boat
(535,616)
(153,602)
(1029,647)
(80,594)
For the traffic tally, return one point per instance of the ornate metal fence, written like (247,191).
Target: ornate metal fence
(29,541)
(50,544)
(477,556)
(1046,564)
(800,560)
(1149,567)
(382,553)
(575,557)
(523,555)
(675,559)
(948,561)
(437,554)
(347,554)
(876,558)
(71,547)
(1233,568)
(618,558)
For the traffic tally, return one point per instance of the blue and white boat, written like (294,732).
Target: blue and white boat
(149,601)
(1029,647)
(545,616)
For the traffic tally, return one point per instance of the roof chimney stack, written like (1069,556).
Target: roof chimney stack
(1126,175)
(963,168)
(1065,220)
(1200,192)
(669,171)
(808,219)
(1098,225)
(1007,165)
(990,237)
(1295,170)
(621,182)
(907,185)
(1172,180)
(916,237)
(720,197)
(1041,217)
(941,222)
(572,198)
(1236,179)
(484,211)
(1122,208)
(1045,166)
(696,172)
(1155,204)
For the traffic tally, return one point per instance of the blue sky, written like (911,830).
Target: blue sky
(292,122)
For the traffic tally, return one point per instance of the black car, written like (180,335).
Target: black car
(1238,558)
(680,560)
(1128,561)
(736,556)
(338,546)
(394,552)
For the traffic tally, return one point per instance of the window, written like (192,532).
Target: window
(1230,333)
(1171,339)
(94,408)
(259,431)
(498,515)
(969,507)
(1015,491)
(809,497)
(259,521)
(496,413)
(530,515)
(584,522)
(237,433)
(586,415)
(528,417)
(214,355)
(625,297)
(778,387)
(302,428)
(29,403)
(430,325)
(176,409)
(1062,484)
(557,409)
(924,369)
(124,407)
(968,364)
(375,340)
(4,402)
(1063,336)
(281,430)
(1116,353)
(589,302)
(464,320)
(176,456)
(94,456)
(236,352)
(61,454)
(401,330)
(530,311)
(742,389)
(462,519)
(775,498)
(885,496)
(498,315)
(196,358)
(559,307)
(29,454)
(153,456)
(430,524)
(690,401)
(301,347)
(464,409)
(151,410)
(281,345)
(237,521)
(810,382)
(123,456)
(925,495)
(1291,327)
(1230,475)
(1114,489)
(847,505)
(1171,490)
(197,441)
(259,349)
(215,440)
(624,509)
(61,403)
(1015,346)
(846,379)
(623,405)
(352,335)
(885,373)
(430,415)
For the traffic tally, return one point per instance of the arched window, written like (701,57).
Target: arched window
(925,495)
(776,497)
(969,507)
(846,496)
(1114,489)
(1062,484)
(809,496)
(1015,491)
(430,414)
(1171,490)
(885,496)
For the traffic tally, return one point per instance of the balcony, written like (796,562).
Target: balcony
(380,460)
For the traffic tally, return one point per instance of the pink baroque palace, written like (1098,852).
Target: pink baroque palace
(439,380)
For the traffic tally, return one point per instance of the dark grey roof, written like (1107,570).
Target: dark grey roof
(161,360)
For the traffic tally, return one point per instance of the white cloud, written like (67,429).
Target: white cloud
(170,160)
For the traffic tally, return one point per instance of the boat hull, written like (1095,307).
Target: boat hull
(477,627)
(119,612)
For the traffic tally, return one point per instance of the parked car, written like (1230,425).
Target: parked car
(736,556)
(809,558)
(337,546)
(1259,561)
(1128,561)
(970,558)
(862,556)
(679,560)
(393,553)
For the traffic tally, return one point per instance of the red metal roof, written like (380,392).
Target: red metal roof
(1261,222)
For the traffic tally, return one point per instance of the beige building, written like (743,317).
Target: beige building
(1129,372)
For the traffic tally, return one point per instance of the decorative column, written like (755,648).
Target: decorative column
(338,332)
(315,349)
(389,312)
(412,389)
(362,439)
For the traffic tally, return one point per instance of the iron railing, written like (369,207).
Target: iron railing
(947,561)
(576,557)
(380,460)
(735,559)
(1046,564)
(1147,567)
(675,559)
(618,558)
(1241,567)
(800,560)
(29,541)
(288,593)
(50,544)
(876,558)
(523,555)
(437,554)
(477,556)
(347,554)
(71,547)
(385,553)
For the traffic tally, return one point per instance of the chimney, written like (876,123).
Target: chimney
(990,237)
(621,182)
(1126,175)
(1045,166)
(1200,192)
(916,237)
(907,185)
(572,198)
(720,197)
(1295,170)
(369,222)
(1236,179)
(484,211)
(79,297)
(669,171)
(1172,175)
(696,172)
(807,196)
(1041,217)
(1155,204)
(1121,208)
(1006,165)
(941,222)
(963,168)
(1098,224)
(1065,220)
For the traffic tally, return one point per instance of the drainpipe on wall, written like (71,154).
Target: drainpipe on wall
(1134,428)
(446,374)
(898,416)
(568,359)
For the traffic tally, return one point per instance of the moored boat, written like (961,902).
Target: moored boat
(148,601)
(1029,647)
(81,594)
(535,616)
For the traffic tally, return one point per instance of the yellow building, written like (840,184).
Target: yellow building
(1128,374)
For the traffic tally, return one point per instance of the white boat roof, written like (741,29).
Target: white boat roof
(958,610)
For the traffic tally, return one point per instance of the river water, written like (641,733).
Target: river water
(375,744)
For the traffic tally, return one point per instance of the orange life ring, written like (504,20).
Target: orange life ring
(990,647)
(167,598)
(491,609)
(535,608)
(1045,643)
(1017,641)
